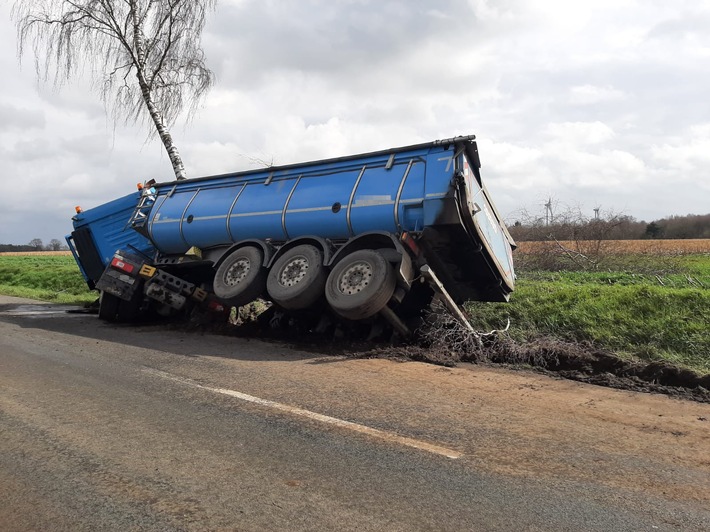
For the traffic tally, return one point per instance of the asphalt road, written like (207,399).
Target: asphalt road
(107,427)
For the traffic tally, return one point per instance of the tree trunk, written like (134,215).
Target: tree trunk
(163,132)
(155,114)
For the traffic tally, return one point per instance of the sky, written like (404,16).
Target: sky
(596,104)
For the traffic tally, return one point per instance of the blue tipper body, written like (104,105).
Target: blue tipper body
(433,190)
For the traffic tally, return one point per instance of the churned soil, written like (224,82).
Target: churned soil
(584,363)
(575,361)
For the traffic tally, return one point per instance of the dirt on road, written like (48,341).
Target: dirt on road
(581,362)
(525,424)
(521,422)
(580,414)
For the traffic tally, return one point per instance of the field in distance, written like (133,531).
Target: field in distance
(646,247)
(691,245)
(33,253)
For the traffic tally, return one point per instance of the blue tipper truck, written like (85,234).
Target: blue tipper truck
(362,238)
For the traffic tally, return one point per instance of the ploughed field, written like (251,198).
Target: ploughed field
(645,247)
(651,247)
(623,313)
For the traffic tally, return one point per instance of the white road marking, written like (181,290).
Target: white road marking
(363,429)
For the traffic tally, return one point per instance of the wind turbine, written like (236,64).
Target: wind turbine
(548,211)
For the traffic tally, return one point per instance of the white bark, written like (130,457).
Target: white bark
(153,111)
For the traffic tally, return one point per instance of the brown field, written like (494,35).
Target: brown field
(643,247)
(34,253)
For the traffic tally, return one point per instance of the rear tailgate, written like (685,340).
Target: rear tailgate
(480,216)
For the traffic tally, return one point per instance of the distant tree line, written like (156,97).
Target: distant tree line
(690,226)
(35,244)
(571,224)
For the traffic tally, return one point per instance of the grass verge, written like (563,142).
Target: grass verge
(645,316)
(54,278)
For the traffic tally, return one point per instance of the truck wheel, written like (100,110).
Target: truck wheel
(360,285)
(128,310)
(108,306)
(297,278)
(240,279)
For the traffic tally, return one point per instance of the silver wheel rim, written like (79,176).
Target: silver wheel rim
(355,278)
(293,271)
(237,272)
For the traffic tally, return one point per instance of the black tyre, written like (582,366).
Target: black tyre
(241,277)
(360,285)
(108,306)
(297,279)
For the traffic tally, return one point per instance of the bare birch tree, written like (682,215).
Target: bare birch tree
(144,56)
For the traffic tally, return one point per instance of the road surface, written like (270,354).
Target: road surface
(109,427)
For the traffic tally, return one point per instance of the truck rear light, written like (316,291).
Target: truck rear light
(410,243)
(121,265)
(215,306)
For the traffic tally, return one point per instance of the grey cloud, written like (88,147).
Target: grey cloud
(13,118)
(692,23)
(252,42)
(80,100)
(33,150)
(86,150)
(92,148)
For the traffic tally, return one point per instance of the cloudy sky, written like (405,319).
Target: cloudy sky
(602,103)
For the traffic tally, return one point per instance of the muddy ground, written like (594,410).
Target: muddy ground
(443,344)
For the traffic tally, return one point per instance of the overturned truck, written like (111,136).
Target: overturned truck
(363,238)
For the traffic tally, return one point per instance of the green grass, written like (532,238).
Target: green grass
(44,277)
(698,265)
(645,316)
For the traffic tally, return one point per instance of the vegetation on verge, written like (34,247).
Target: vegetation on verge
(646,316)
(54,278)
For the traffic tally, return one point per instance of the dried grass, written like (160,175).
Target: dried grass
(621,247)
(34,253)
